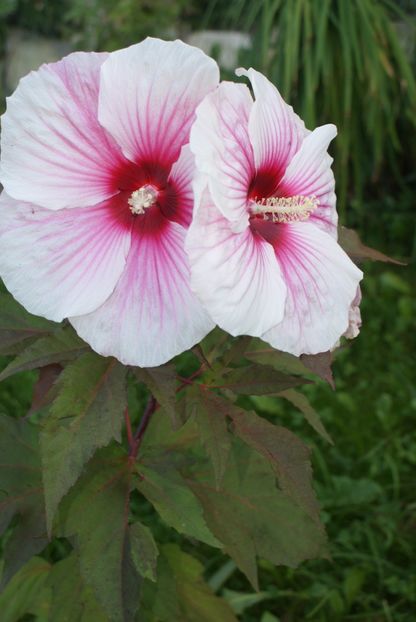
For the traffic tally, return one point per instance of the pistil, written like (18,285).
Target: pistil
(141,199)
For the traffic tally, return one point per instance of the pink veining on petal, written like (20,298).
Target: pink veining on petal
(235,275)
(152,314)
(162,84)
(59,263)
(221,144)
(54,151)
(321,282)
(276,132)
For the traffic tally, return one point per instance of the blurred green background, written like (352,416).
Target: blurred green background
(350,62)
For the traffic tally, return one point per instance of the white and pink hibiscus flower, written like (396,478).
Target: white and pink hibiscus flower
(97,175)
(262,244)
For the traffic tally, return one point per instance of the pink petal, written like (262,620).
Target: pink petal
(309,173)
(149,94)
(179,203)
(223,153)
(152,314)
(276,132)
(54,152)
(235,275)
(61,263)
(321,283)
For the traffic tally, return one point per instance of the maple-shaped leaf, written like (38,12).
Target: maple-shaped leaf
(352,245)
(86,415)
(181,594)
(94,515)
(21,493)
(251,517)
(27,593)
(62,345)
(18,327)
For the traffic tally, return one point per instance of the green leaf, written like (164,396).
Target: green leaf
(352,245)
(161,382)
(94,515)
(86,415)
(71,598)
(63,345)
(17,325)
(301,402)
(209,411)
(287,454)
(21,493)
(176,504)
(258,380)
(251,517)
(144,550)
(181,594)
(26,593)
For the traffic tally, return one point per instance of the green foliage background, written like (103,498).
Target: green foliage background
(365,481)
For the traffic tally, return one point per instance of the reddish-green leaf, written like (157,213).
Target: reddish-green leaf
(95,516)
(86,415)
(71,598)
(210,413)
(144,550)
(320,364)
(167,491)
(181,594)
(27,593)
(287,454)
(302,403)
(17,325)
(258,380)
(251,517)
(21,493)
(161,382)
(352,245)
(62,345)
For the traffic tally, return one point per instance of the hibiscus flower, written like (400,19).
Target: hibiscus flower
(97,172)
(262,245)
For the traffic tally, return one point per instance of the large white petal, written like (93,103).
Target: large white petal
(152,315)
(61,263)
(235,275)
(149,94)
(223,153)
(321,285)
(276,132)
(309,173)
(54,153)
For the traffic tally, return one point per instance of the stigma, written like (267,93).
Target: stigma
(285,209)
(141,199)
